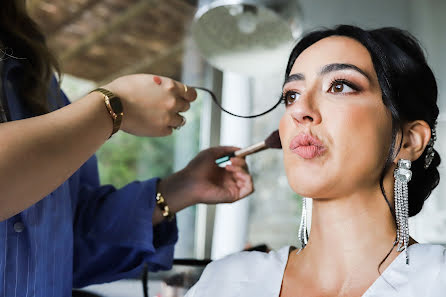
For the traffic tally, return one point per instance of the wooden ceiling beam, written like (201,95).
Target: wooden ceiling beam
(31,5)
(145,63)
(72,18)
(192,3)
(185,5)
(133,11)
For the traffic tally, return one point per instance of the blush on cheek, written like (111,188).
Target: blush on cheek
(282,129)
(283,132)
(369,141)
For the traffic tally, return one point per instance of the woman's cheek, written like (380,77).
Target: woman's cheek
(281,126)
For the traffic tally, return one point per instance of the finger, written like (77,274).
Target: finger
(190,93)
(181,105)
(175,103)
(245,190)
(177,121)
(240,162)
(245,184)
(235,193)
(184,91)
(232,189)
(165,132)
(234,169)
(242,176)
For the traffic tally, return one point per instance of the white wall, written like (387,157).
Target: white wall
(364,13)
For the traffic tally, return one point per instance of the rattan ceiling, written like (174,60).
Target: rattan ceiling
(102,39)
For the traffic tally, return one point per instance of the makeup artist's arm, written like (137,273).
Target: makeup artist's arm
(202,181)
(38,154)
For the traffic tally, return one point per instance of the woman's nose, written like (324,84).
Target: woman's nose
(306,110)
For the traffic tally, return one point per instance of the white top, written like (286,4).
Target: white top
(258,274)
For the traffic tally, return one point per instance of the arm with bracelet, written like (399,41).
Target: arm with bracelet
(53,207)
(57,143)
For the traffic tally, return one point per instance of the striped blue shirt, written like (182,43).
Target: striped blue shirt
(82,233)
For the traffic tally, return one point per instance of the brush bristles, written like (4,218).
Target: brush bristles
(273,141)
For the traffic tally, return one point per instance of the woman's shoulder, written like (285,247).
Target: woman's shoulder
(245,273)
(245,265)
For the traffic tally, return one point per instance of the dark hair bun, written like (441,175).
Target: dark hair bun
(423,182)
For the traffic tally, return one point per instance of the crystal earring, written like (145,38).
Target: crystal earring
(402,175)
(303,231)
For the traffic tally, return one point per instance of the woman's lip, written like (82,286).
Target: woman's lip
(307,146)
(309,151)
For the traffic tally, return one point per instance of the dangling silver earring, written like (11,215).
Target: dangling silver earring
(303,231)
(402,175)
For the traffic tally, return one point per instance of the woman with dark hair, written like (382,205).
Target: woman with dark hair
(58,227)
(358,134)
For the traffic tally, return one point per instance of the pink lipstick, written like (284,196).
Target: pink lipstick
(307,146)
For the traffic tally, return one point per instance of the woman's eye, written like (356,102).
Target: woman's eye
(340,87)
(290,97)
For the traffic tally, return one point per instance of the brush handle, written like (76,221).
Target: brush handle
(251,149)
(243,152)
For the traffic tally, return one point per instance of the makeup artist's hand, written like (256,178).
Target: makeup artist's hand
(151,104)
(202,181)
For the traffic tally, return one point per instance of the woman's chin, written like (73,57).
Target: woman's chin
(307,185)
(308,190)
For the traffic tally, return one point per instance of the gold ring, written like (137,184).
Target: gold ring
(185,89)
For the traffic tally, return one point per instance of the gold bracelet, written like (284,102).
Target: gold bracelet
(163,206)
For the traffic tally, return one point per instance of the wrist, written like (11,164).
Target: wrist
(114,107)
(112,88)
(177,191)
(166,212)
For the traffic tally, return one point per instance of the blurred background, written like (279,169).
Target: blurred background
(238,49)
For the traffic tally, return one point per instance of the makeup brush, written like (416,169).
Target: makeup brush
(272,141)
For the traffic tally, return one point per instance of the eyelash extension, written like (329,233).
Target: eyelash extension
(346,82)
(282,98)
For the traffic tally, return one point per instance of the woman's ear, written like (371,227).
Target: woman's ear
(416,136)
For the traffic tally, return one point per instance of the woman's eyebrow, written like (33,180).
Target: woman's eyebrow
(341,66)
(294,77)
(326,69)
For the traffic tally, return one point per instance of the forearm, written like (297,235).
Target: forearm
(40,153)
